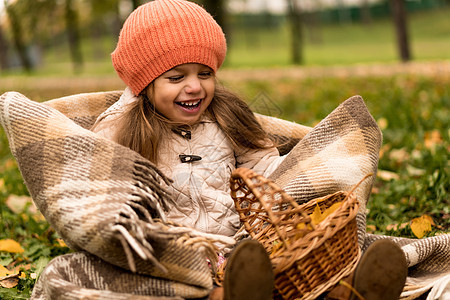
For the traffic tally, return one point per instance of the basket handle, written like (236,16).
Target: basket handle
(247,175)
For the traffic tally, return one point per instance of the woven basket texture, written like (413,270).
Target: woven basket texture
(307,259)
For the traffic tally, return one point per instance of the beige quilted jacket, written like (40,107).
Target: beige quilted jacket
(200,163)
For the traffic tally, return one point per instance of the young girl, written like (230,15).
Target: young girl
(174,113)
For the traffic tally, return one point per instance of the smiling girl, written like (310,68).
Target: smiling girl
(175,114)
(196,132)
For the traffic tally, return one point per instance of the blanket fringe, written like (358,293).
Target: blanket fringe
(142,249)
(143,220)
(136,230)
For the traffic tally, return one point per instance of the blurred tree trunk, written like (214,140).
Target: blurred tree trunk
(217,9)
(117,23)
(343,12)
(3,51)
(73,33)
(313,26)
(295,19)
(135,3)
(17,35)
(401,29)
(366,17)
(97,28)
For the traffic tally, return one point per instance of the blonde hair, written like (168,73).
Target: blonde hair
(141,126)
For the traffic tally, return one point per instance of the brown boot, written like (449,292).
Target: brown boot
(248,274)
(381,272)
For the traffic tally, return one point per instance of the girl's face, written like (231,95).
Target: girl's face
(183,93)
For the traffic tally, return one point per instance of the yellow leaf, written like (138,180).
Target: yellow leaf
(382,123)
(371,228)
(316,216)
(331,209)
(11,246)
(61,242)
(4,271)
(300,226)
(2,185)
(421,226)
(432,138)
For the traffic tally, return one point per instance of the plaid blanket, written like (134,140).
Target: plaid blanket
(106,201)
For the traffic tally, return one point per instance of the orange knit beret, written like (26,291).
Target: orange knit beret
(162,34)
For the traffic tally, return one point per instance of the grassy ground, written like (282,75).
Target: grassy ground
(410,104)
(412,111)
(343,44)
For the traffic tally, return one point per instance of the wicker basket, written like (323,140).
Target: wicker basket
(308,259)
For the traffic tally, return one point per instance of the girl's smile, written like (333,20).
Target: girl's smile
(183,93)
(190,105)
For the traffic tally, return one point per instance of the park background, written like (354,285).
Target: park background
(295,60)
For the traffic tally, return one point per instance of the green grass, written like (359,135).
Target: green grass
(344,44)
(413,112)
(410,110)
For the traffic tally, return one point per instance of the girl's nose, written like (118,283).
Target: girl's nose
(193,85)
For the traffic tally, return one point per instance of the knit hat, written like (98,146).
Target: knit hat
(162,34)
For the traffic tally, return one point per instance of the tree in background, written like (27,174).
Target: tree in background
(366,17)
(401,29)
(4,65)
(105,21)
(17,33)
(218,10)
(295,20)
(73,34)
(135,3)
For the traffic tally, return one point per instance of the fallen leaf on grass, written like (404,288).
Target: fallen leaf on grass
(387,175)
(60,242)
(10,164)
(399,155)
(421,225)
(396,227)
(415,171)
(15,270)
(18,204)
(4,271)
(371,228)
(382,123)
(432,138)
(10,246)
(9,281)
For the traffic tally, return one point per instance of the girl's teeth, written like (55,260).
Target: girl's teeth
(190,103)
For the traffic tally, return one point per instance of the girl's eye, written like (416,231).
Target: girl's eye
(205,74)
(175,78)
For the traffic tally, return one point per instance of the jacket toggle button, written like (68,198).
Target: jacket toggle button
(183,132)
(184,158)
